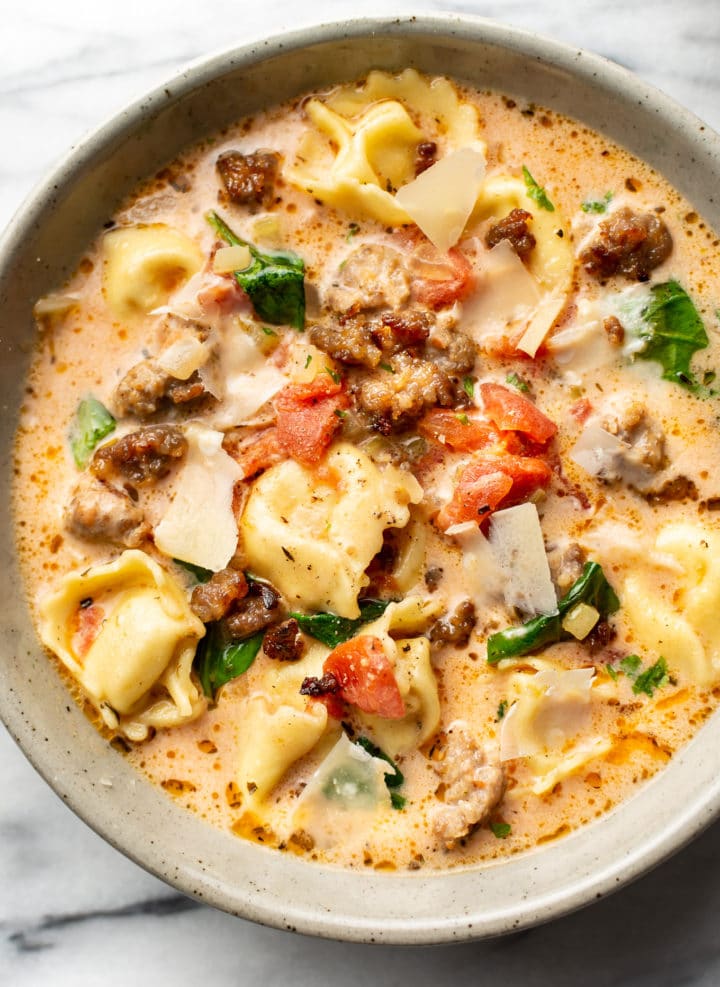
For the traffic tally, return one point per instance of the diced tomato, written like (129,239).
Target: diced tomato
(261,454)
(465,434)
(489,483)
(88,621)
(366,677)
(581,410)
(481,488)
(510,410)
(307,417)
(438,294)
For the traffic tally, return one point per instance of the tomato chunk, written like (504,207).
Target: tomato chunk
(481,488)
(366,677)
(88,623)
(307,417)
(259,455)
(464,434)
(510,410)
(438,294)
(489,483)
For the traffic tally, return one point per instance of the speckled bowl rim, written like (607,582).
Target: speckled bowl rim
(248,880)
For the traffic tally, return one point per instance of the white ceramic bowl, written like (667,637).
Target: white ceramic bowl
(43,244)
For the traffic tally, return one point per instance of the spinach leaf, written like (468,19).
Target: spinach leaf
(673,331)
(202,575)
(274,281)
(219,660)
(92,423)
(592,588)
(394,778)
(536,192)
(333,630)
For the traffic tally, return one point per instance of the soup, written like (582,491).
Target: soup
(365,489)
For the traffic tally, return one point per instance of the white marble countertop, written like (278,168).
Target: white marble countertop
(73,911)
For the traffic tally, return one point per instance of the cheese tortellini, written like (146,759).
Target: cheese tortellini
(364,141)
(313,534)
(144,265)
(126,633)
(681,623)
(551,709)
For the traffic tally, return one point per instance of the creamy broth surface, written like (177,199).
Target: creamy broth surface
(529,350)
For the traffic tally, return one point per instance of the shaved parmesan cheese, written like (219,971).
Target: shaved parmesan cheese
(199,526)
(507,293)
(441,198)
(552,707)
(344,796)
(229,259)
(519,550)
(483,579)
(183,357)
(250,380)
(541,322)
(598,451)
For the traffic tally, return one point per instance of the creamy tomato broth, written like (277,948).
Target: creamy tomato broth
(365,487)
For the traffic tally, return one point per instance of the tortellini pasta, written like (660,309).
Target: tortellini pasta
(370,141)
(414,674)
(133,654)
(144,265)
(551,708)
(313,534)
(551,263)
(682,622)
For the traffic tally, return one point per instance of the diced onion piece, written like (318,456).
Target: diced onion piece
(52,305)
(580,620)
(266,229)
(183,357)
(441,199)
(541,322)
(229,259)
(199,526)
(517,543)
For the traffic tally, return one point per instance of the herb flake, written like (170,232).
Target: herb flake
(515,380)
(501,830)
(469,387)
(536,192)
(597,205)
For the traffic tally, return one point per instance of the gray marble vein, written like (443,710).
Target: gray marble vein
(75,912)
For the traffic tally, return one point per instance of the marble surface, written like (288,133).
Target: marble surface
(73,911)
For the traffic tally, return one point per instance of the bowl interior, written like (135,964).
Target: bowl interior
(44,244)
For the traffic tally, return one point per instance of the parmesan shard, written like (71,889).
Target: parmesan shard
(441,199)
(541,322)
(248,383)
(517,543)
(507,293)
(199,526)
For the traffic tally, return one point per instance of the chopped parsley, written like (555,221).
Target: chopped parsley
(334,374)
(469,387)
(353,231)
(597,205)
(463,419)
(340,414)
(268,331)
(387,367)
(308,360)
(516,381)
(501,710)
(501,830)
(612,672)
(536,192)
(654,677)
